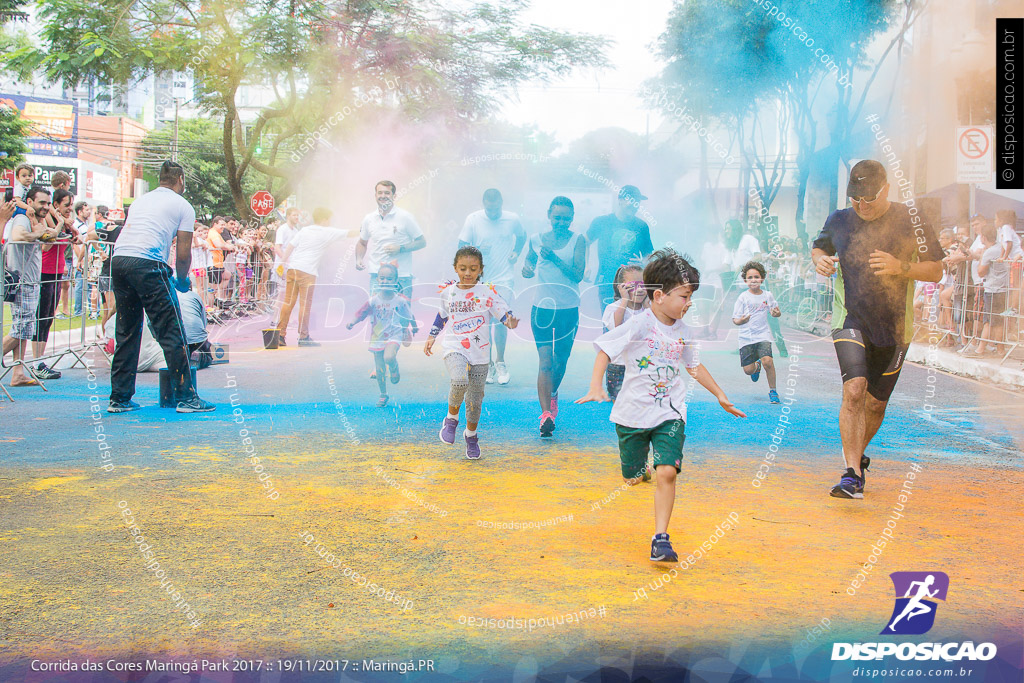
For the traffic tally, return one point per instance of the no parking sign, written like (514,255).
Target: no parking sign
(974,154)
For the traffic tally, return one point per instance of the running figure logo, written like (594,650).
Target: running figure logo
(914,612)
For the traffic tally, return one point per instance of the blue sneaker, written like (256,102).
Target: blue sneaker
(661,549)
(448,428)
(195,405)
(122,406)
(773,396)
(850,486)
(756,375)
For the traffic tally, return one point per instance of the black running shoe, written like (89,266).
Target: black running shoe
(661,549)
(849,486)
(308,342)
(122,406)
(195,405)
(43,372)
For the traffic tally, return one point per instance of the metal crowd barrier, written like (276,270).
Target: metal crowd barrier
(30,312)
(962,322)
(252,291)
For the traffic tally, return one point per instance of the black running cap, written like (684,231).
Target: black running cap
(866,179)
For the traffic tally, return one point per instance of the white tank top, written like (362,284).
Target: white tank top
(554,289)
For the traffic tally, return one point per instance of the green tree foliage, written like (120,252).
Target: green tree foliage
(13,129)
(12,10)
(201,154)
(730,61)
(419,60)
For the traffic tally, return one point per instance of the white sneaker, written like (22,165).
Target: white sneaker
(490,374)
(503,376)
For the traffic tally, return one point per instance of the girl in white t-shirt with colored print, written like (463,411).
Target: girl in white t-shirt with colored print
(751,313)
(630,299)
(393,325)
(468,306)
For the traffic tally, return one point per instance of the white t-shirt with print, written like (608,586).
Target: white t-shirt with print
(655,356)
(759,307)
(468,313)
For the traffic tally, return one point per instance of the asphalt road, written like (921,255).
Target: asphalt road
(377,491)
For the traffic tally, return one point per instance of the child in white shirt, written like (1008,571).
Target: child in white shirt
(630,298)
(468,306)
(751,314)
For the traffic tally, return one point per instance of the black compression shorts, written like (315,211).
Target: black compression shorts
(858,357)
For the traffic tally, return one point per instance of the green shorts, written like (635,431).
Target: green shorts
(667,439)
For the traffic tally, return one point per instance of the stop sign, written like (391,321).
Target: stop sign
(262,203)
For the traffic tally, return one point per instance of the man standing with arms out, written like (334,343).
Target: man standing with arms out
(142,283)
(500,238)
(303,255)
(620,237)
(881,248)
(395,235)
(25,232)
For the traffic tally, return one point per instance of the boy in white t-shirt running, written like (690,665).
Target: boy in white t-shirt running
(469,306)
(751,314)
(650,410)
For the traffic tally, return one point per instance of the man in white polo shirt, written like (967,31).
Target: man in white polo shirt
(500,237)
(394,234)
(141,281)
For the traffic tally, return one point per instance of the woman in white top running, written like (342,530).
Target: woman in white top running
(558,258)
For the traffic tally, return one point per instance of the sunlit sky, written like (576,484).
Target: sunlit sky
(588,100)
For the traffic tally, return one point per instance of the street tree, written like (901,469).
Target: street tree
(418,60)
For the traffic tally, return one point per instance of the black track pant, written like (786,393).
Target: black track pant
(141,285)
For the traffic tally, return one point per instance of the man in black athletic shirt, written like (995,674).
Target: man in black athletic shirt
(880,248)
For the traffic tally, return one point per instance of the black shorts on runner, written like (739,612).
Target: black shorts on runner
(858,357)
(751,353)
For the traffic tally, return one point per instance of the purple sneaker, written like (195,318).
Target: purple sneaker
(473,447)
(448,428)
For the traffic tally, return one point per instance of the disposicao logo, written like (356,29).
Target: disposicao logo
(914,614)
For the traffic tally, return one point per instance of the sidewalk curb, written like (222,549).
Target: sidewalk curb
(1007,375)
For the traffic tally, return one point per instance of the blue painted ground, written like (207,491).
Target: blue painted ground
(286,394)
